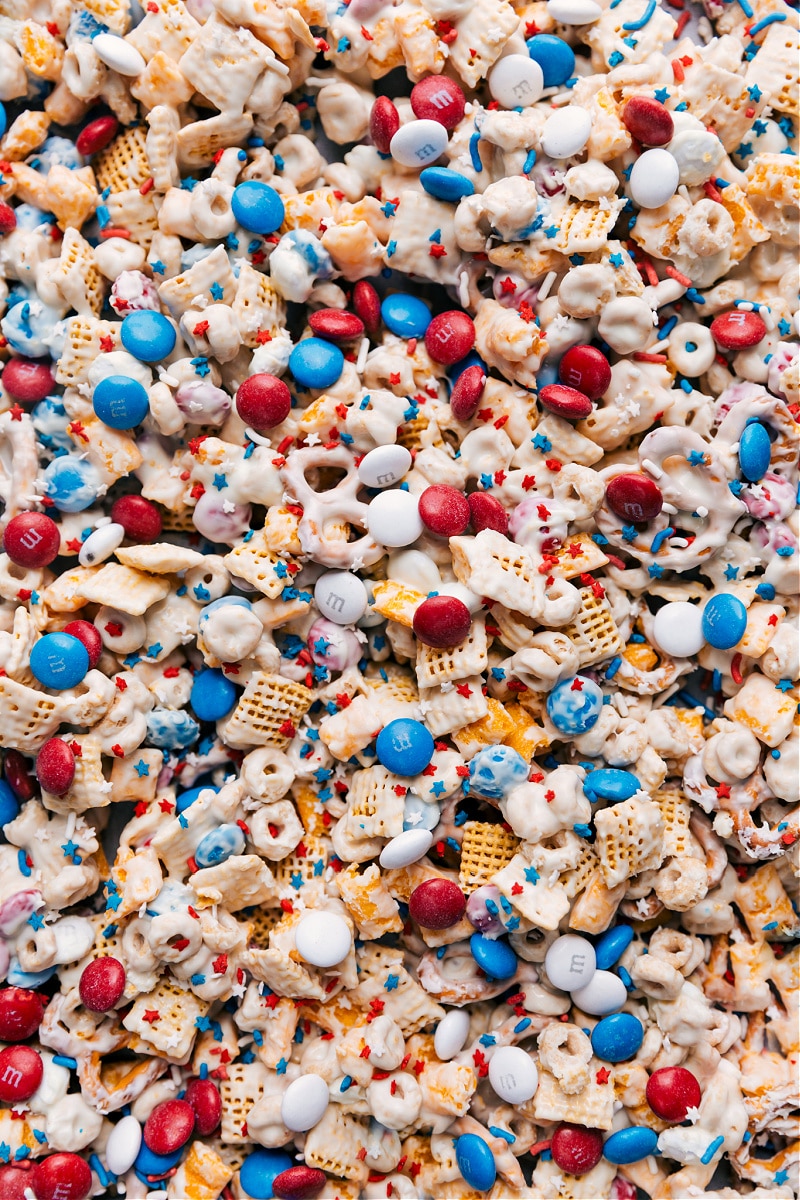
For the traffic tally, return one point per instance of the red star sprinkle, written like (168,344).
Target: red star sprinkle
(16,412)
(437,251)
(220,964)
(120,683)
(576,685)
(508,286)
(165,805)
(151,1015)
(517,889)
(602,1075)
(106,344)
(464,689)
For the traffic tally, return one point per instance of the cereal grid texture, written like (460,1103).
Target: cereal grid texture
(594,195)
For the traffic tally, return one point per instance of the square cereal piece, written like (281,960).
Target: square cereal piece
(593,1107)
(161,83)
(368,901)
(77,277)
(123,164)
(418,39)
(268,713)
(766,711)
(334,1144)
(490,730)
(169,27)
(243,1088)
(137,213)
(453,706)
(306,863)
(675,813)
(594,630)
(530,894)
(377,800)
(258,306)
(165,1019)
(223,62)
(578,554)
(774,69)
(124,588)
(215,269)
(405,1001)
(495,567)
(467,658)
(482,33)
(112,451)
(41,52)
(29,717)
(577,878)
(86,339)
(585,226)
(136,777)
(201,1176)
(485,850)
(762,899)
(396,602)
(159,558)
(25,133)
(254,562)
(630,839)
(608,37)
(416,212)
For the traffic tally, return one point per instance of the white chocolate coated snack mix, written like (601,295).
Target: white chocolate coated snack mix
(398,600)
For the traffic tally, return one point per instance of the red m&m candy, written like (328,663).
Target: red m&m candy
(21,1071)
(96,135)
(634,497)
(15,770)
(671,1092)
(55,766)
(450,337)
(102,983)
(367,304)
(140,519)
(735,330)
(467,391)
(576,1149)
(32,539)
(86,633)
(20,1014)
(444,510)
(565,401)
(648,121)
(204,1097)
(437,903)
(384,122)
(587,369)
(61,1177)
(14,1179)
(27,380)
(169,1126)
(438,98)
(299,1183)
(263,401)
(8,219)
(486,512)
(336,325)
(442,621)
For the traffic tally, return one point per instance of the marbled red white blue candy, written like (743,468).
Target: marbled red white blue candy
(495,770)
(574,705)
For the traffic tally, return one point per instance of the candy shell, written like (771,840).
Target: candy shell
(323,939)
(671,1092)
(102,984)
(445,184)
(384,122)
(576,1150)
(28,381)
(437,903)
(570,962)
(495,958)
(20,1013)
(257,207)
(21,1072)
(55,766)
(566,132)
(603,993)
(654,179)
(476,1162)
(419,143)
(634,497)
(169,1126)
(724,621)
(139,518)
(755,451)
(31,540)
(263,401)
(404,746)
(555,56)
(121,56)
(384,466)
(59,661)
(304,1102)
(486,512)
(450,336)
(259,1171)
(204,1097)
(451,1033)
(587,369)
(617,1038)
(96,135)
(62,1176)
(315,363)
(678,628)
(610,783)
(565,401)
(630,1145)
(648,121)
(513,1074)
(405,315)
(336,325)
(406,848)
(737,329)
(444,510)
(123,1145)
(438,98)
(611,945)
(516,81)
(299,1183)
(442,621)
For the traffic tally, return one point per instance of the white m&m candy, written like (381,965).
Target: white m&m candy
(393,518)
(678,629)
(516,82)
(570,962)
(654,178)
(123,1145)
(419,143)
(118,54)
(384,466)
(451,1034)
(407,848)
(513,1074)
(101,544)
(304,1103)
(566,132)
(574,12)
(341,597)
(604,993)
(323,939)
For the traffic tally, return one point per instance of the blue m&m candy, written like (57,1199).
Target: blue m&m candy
(257,207)
(724,621)
(445,184)
(59,660)
(218,845)
(187,798)
(618,1037)
(405,315)
(316,363)
(495,770)
(495,958)
(259,1170)
(755,450)
(609,783)
(72,483)
(120,402)
(2,119)
(476,1162)
(554,56)
(213,694)
(630,1145)
(575,705)
(9,806)
(404,746)
(147,1162)
(147,335)
(611,945)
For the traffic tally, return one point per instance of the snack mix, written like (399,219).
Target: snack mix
(398,635)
